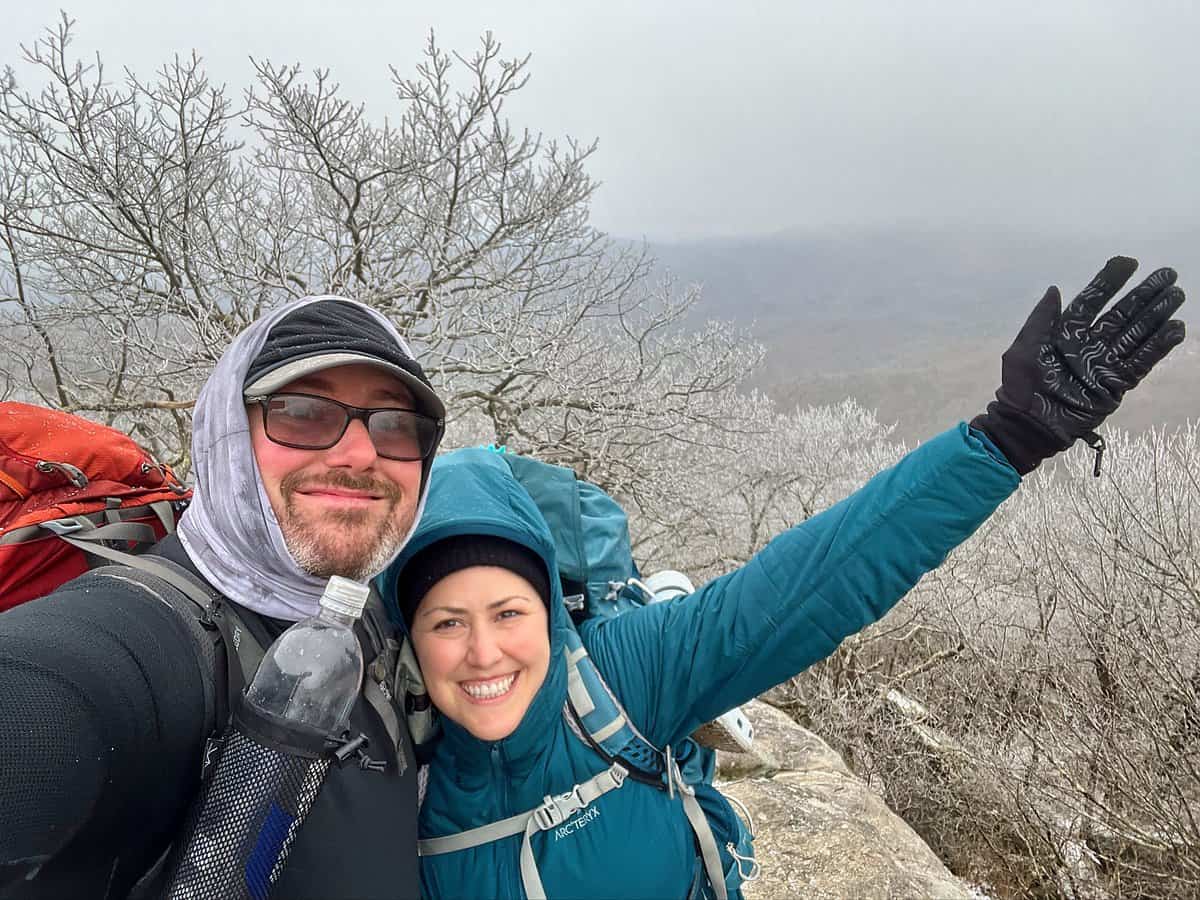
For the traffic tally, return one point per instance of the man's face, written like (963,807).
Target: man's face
(344,510)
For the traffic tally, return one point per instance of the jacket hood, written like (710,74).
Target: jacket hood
(230,530)
(473,492)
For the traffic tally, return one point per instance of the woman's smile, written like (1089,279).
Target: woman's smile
(490,690)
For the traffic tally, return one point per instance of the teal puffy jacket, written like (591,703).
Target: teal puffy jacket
(675,665)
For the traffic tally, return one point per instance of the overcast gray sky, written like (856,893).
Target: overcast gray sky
(729,118)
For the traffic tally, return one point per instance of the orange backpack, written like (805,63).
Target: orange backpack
(67,484)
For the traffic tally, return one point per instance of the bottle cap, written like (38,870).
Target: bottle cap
(345,596)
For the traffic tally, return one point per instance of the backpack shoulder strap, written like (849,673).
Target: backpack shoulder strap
(176,576)
(593,709)
(385,680)
(219,619)
(249,642)
(552,813)
(606,726)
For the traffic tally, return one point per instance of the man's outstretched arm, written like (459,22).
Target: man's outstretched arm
(102,720)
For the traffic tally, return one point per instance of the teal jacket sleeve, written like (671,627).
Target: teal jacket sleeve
(678,664)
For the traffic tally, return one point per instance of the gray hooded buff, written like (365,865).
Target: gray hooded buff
(230,530)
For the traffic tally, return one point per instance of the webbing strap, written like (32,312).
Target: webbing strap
(383,707)
(556,810)
(708,843)
(137,532)
(247,647)
(89,524)
(574,656)
(576,689)
(243,650)
(578,692)
(484,834)
(380,674)
(115,528)
(603,734)
(15,486)
(185,586)
(553,811)
(581,698)
(166,514)
(702,829)
(697,820)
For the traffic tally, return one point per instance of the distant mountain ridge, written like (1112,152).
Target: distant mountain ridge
(912,322)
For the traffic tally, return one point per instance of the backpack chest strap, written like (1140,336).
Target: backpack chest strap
(552,813)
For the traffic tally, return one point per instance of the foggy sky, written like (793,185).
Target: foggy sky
(721,118)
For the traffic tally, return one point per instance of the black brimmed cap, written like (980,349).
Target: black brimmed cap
(329,333)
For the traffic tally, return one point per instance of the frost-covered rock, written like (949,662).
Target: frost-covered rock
(820,831)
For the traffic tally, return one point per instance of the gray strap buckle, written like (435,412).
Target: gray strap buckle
(68,471)
(575,602)
(65,526)
(556,810)
(614,590)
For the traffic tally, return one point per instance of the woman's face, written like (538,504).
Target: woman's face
(482,637)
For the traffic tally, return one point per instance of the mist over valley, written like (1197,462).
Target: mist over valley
(912,322)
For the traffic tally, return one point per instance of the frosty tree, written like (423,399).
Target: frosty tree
(145,222)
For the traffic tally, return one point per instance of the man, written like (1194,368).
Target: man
(311,447)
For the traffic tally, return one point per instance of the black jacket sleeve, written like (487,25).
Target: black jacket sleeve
(102,726)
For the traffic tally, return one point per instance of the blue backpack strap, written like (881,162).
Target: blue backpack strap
(592,705)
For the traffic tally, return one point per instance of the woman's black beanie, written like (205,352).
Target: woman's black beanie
(446,557)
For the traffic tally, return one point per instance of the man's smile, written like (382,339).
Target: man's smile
(340,495)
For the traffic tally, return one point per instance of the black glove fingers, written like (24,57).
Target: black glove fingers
(1113,380)
(1038,327)
(1069,380)
(1157,346)
(1082,311)
(1063,375)
(1154,317)
(1125,310)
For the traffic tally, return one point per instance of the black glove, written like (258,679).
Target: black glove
(1065,372)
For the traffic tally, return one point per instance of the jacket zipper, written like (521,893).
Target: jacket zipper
(503,805)
(498,777)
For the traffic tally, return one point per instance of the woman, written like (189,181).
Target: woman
(477,590)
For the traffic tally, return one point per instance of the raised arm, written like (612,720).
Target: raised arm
(680,663)
(793,603)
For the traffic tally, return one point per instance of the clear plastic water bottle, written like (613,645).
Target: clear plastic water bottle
(274,758)
(312,673)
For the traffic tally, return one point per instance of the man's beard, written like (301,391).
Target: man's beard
(352,543)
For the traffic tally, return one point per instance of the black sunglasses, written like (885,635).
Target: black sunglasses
(309,422)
